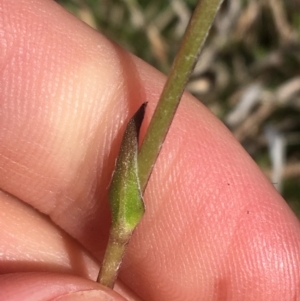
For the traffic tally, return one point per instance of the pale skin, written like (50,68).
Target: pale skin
(214,229)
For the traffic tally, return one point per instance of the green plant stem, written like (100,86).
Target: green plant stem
(182,67)
(125,198)
(114,253)
(128,180)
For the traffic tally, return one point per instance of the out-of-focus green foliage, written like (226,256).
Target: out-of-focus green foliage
(248,74)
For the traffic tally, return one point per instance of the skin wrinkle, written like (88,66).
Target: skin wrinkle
(23,167)
(29,251)
(55,206)
(45,287)
(199,278)
(84,166)
(256,259)
(167,241)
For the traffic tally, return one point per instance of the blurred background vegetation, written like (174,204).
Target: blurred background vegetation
(248,74)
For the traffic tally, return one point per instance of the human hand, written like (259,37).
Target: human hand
(214,229)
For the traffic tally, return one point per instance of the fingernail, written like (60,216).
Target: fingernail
(92,295)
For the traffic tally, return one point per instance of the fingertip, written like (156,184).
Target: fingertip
(54,287)
(92,295)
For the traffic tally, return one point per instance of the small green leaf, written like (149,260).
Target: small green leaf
(125,195)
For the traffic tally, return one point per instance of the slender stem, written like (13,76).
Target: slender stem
(182,67)
(114,253)
(184,62)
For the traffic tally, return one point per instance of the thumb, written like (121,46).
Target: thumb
(54,287)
